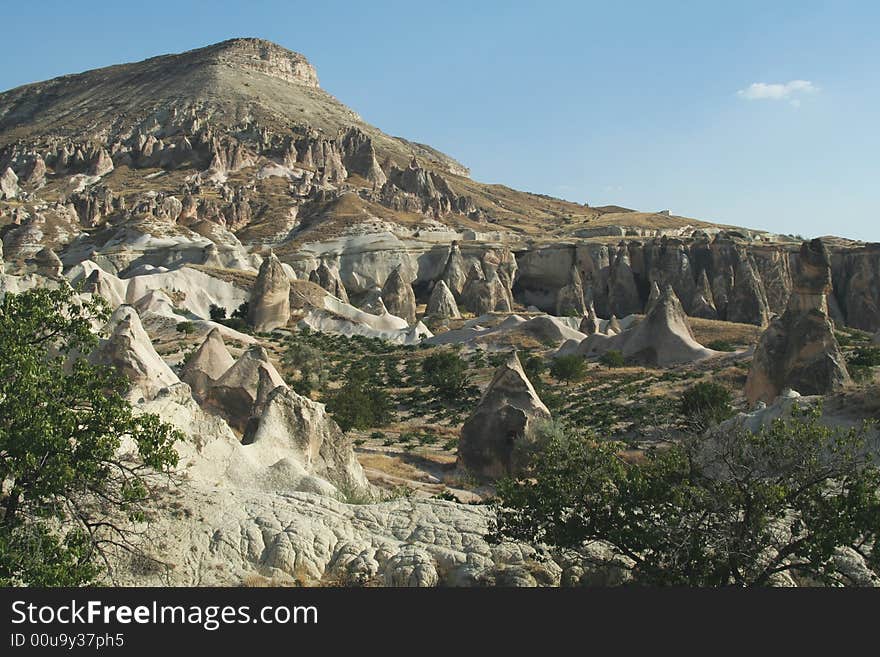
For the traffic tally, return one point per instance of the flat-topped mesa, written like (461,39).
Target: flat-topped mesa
(261,56)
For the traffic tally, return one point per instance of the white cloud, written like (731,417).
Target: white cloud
(779,91)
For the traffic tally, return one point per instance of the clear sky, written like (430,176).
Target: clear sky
(760,114)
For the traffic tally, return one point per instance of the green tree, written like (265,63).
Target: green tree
(568,368)
(861,362)
(735,511)
(360,404)
(306,366)
(242,311)
(447,373)
(704,405)
(70,494)
(612,358)
(217,312)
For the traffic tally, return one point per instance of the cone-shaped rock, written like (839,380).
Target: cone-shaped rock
(47,263)
(295,436)
(623,294)
(748,299)
(653,297)
(399,297)
(590,322)
(234,394)
(614,326)
(477,294)
(454,273)
(662,338)
(703,303)
(442,303)
(330,281)
(497,438)
(270,300)
(372,302)
(211,361)
(9,188)
(130,350)
(799,350)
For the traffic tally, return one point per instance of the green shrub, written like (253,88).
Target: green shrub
(568,368)
(704,405)
(784,499)
(722,345)
(237,324)
(447,373)
(863,359)
(360,405)
(242,311)
(613,358)
(187,328)
(217,312)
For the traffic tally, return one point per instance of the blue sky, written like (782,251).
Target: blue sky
(650,105)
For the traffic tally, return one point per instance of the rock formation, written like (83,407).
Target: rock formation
(210,361)
(442,304)
(9,188)
(373,303)
(799,350)
(485,293)
(653,297)
(476,295)
(130,350)
(703,302)
(590,322)
(270,300)
(234,394)
(662,338)
(498,436)
(102,163)
(747,302)
(623,294)
(613,327)
(328,279)
(399,297)
(570,298)
(47,263)
(311,442)
(454,272)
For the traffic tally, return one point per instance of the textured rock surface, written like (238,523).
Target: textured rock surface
(9,188)
(442,304)
(623,295)
(496,438)
(210,362)
(234,394)
(129,350)
(590,321)
(454,271)
(703,302)
(664,337)
(314,444)
(270,300)
(329,279)
(799,350)
(570,299)
(399,297)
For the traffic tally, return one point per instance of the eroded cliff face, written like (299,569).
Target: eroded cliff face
(745,281)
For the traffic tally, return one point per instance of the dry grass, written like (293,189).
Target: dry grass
(709,330)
